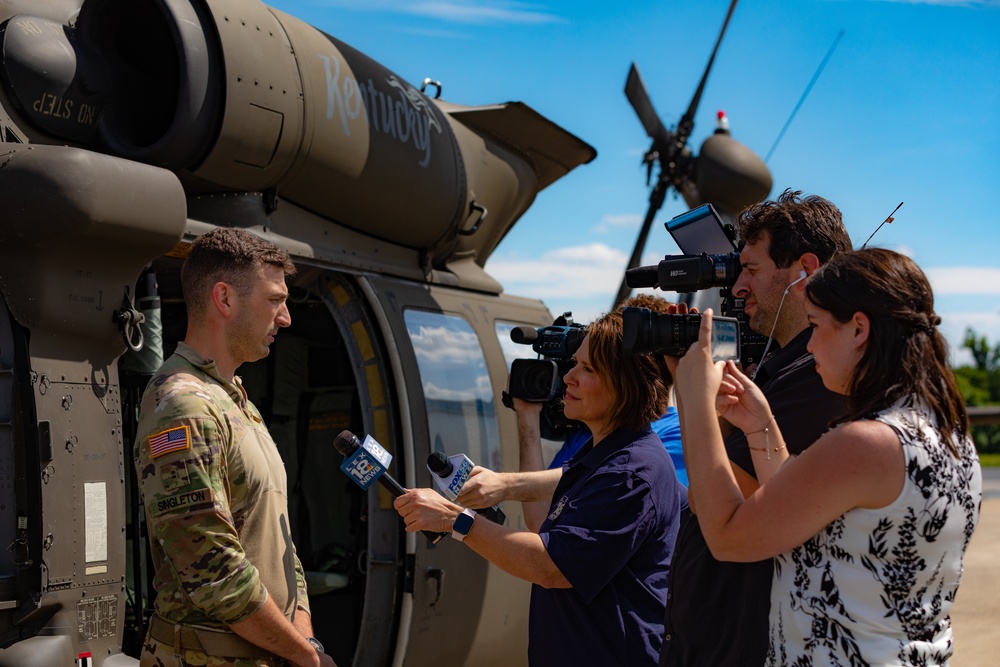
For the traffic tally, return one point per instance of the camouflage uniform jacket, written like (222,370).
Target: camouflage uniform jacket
(215,492)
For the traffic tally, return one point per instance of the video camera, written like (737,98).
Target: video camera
(712,263)
(541,380)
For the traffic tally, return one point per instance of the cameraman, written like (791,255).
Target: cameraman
(717,612)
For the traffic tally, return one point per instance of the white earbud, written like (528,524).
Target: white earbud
(802,276)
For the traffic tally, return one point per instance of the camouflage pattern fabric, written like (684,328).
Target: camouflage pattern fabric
(158,654)
(215,493)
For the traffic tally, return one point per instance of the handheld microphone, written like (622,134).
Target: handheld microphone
(365,462)
(450,474)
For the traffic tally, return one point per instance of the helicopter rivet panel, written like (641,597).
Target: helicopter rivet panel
(260,128)
(377,155)
(110,217)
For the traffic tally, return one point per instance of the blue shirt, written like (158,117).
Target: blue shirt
(668,427)
(610,530)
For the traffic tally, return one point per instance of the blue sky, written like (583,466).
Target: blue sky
(907,109)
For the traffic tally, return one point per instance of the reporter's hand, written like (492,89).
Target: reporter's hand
(697,377)
(426,509)
(740,401)
(483,489)
(527,408)
(676,309)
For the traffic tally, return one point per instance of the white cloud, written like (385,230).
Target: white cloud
(442,345)
(954,325)
(964,280)
(572,271)
(620,221)
(484,12)
(464,11)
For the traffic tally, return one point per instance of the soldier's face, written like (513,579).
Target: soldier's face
(259,315)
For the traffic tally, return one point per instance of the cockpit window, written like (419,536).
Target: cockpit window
(512,350)
(457,389)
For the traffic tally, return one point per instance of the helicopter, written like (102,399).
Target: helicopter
(130,128)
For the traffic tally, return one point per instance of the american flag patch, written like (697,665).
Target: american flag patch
(171,440)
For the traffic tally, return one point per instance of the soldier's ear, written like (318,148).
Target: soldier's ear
(223,298)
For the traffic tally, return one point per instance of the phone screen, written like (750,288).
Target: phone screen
(725,339)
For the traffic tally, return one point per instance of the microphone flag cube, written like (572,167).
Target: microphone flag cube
(367,463)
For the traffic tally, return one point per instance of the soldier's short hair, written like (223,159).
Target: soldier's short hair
(230,255)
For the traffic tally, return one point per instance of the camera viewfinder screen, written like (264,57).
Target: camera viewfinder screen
(725,339)
(700,230)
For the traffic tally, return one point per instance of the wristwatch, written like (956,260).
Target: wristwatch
(463,524)
(315,644)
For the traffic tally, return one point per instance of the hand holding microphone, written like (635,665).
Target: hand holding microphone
(450,474)
(366,462)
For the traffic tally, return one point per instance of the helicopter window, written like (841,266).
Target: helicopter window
(461,417)
(510,349)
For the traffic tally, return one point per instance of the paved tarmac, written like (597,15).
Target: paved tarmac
(976,615)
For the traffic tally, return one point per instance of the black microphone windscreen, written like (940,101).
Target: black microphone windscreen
(524,335)
(642,276)
(439,464)
(346,443)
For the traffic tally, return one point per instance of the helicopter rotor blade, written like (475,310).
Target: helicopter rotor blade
(686,124)
(638,97)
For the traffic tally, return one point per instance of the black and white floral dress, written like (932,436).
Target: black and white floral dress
(875,587)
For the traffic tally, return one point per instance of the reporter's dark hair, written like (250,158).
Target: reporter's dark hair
(905,355)
(635,380)
(796,225)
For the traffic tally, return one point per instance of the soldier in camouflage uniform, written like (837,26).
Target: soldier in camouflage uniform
(230,589)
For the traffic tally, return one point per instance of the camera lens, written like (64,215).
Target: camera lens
(533,379)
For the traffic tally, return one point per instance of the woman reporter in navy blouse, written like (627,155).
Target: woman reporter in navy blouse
(600,561)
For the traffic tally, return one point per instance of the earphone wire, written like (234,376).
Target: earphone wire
(770,337)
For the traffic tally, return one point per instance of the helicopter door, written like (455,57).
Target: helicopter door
(450,371)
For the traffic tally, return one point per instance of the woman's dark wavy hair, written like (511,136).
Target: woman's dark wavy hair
(635,380)
(905,355)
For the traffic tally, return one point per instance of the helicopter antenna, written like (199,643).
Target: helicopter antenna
(805,94)
(887,220)
(667,149)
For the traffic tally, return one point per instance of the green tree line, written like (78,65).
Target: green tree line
(980,385)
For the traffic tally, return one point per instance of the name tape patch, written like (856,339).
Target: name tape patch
(183,500)
(172,440)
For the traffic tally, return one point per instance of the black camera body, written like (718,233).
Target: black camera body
(691,273)
(541,380)
(647,332)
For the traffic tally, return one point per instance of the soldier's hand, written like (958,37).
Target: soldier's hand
(484,488)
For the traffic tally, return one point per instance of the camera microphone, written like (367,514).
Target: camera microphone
(524,335)
(365,462)
(450,474)
(643,276)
